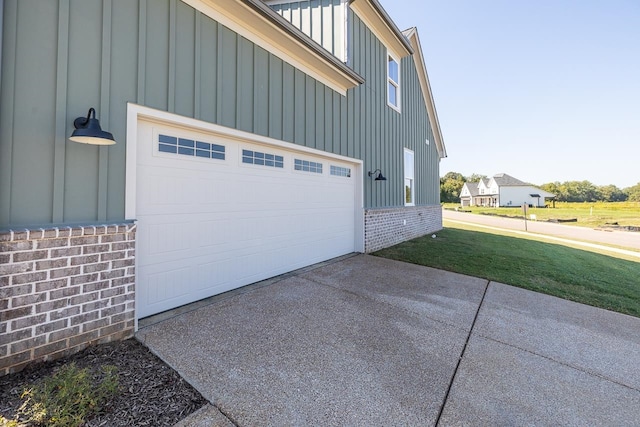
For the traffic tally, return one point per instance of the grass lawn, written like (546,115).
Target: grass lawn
(595,214)
(574,274)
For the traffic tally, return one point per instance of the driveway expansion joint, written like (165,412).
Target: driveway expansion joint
(464,349)
(227,416)
(568,365)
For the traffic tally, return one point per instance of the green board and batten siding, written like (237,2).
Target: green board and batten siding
(62,57)
(382,133)
(322,20)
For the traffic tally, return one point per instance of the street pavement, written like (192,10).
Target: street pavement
(627,239)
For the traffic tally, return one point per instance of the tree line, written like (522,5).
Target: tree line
(568,191)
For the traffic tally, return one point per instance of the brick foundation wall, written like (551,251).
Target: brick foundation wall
(388,227)
(62,289)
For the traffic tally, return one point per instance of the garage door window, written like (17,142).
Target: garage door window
(263,159)
(190,147)
(307,166)
(340,171)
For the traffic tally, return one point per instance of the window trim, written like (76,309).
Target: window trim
(390,81)
(412,178)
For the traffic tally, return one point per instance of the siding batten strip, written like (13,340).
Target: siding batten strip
(60,135)
(197,54)
(171,96)
(105,89)
(7,108)
(142,49)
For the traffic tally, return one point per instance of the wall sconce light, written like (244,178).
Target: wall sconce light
(88,131)
(378,177)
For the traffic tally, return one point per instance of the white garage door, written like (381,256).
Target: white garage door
(215,214)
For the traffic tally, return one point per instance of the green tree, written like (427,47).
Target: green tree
(475,177)
(450,186)
(611,193)
(579,191)
(556,188)
(633,193)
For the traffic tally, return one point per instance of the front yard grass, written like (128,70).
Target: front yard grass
(574,274)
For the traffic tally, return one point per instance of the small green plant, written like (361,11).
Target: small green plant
(68,397)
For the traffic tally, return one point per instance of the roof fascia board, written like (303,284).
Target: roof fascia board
(255,21)
(375,17)
(423,77)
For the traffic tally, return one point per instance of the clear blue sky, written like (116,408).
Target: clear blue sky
(544,90)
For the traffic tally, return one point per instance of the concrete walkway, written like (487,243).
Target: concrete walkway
(369,341)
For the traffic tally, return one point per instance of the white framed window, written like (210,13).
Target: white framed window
(409,178)
(307,166)
(393,82)
(264,159)
(340,171)
(183,146)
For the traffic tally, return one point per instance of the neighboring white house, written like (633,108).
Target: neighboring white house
(503,190)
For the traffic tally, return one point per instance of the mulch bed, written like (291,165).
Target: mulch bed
(151,393)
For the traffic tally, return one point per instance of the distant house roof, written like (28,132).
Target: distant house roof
(472,187)
(504,180)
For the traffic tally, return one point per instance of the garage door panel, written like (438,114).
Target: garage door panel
(209,226)
(165,284)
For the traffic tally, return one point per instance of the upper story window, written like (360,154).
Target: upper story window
(393,82)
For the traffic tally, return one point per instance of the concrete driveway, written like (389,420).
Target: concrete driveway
(369,341)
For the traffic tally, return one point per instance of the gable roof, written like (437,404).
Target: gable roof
(379,22)
(484,181)
(255,21)
(504,180)
(412,36)
(472,187)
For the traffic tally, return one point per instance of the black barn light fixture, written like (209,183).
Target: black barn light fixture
(88,131)
(379,176)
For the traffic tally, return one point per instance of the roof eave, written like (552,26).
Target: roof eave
(379,22)
(423,77)
(258,23)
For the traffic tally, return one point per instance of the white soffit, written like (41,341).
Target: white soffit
(381,26)
(253,25)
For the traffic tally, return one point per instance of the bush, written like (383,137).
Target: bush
(69,397)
